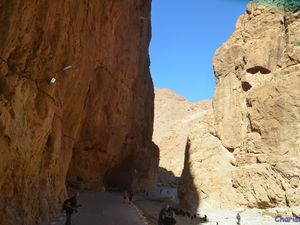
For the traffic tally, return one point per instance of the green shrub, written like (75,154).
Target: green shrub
(297,43)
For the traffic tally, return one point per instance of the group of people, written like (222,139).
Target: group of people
(187,214)
(127,196)
(166,215)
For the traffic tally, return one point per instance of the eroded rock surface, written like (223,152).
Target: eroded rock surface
(255,122)
(99,113)
(174,116)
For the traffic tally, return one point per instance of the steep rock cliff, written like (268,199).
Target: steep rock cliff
(174,116)
(255,118)
(99,112)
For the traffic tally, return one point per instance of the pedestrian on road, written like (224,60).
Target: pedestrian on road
(125,196)
(70,205)
(130,196)
(166,216)
(238,219)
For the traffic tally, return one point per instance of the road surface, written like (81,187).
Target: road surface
(102,209)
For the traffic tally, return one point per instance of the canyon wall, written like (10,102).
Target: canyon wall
(246,151)
(173,117)
(97,116)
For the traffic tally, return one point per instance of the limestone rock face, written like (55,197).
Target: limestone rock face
(173,117)
(256,115)
(206,177)
(98,114)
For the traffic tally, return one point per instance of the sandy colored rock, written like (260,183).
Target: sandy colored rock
(206,178)
(296,211)
(99,113)
(256,116)
(174,116)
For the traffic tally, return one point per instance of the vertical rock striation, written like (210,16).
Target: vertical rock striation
(256,114)
(98,114)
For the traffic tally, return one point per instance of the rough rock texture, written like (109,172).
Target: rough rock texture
(255,121)
(173,118)
(206,176)
(101,109)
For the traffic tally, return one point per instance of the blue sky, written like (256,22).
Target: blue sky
(185,36)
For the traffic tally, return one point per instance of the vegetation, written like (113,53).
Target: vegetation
(297,43)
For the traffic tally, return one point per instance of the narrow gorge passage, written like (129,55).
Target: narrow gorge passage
(77,110)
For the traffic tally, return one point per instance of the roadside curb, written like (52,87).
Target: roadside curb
(141,214)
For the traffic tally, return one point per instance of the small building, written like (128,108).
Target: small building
(168,193)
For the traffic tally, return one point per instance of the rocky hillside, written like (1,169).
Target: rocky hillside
(97,117)
(173,117)
(246,150)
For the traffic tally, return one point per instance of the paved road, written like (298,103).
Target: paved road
(102,209)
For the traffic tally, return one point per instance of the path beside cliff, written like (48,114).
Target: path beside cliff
(102,209)
(105,208)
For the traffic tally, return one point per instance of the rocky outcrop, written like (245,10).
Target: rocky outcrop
(99,112)
(174,116)
(206,177)
(247,151)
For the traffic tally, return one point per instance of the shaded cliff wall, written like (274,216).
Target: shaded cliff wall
(119,105)
(101,109)
(256,113)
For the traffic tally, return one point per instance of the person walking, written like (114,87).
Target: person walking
(162,215)
(130,196)
(125,196)
(238,219)
(70,205)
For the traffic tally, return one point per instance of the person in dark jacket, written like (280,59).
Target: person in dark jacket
(166,216)
(130,196)
(238,219)
(71,206)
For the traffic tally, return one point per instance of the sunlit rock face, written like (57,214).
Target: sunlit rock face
(174,116)
(99,112)
(256,115)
